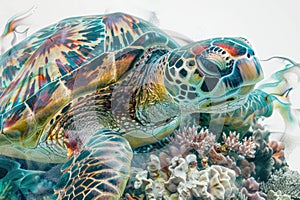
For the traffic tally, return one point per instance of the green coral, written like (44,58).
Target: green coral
(278,195)
(288,182)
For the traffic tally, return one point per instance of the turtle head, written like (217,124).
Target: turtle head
(214,75)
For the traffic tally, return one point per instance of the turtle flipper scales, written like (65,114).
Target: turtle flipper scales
(99,171)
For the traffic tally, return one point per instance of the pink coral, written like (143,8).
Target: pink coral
(185,140)
(247,148)
(191,138)
(217,158)
(232,143)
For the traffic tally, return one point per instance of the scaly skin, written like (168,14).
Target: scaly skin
(258,104)
(88,89)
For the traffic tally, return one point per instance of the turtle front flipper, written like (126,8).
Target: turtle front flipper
(99,171)
(258,104)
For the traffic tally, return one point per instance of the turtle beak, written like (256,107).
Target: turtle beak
(247,72)
(250,70)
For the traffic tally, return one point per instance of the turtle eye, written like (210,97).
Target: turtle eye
(209,67)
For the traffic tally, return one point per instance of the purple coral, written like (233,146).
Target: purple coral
(250,189)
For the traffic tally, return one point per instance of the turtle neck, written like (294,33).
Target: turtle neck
(153,104)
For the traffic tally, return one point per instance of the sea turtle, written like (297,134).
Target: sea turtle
(87,90)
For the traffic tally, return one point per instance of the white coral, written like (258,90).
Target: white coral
(190,138)
(156,190)
(178,169)
(232,141)
(247,148)
(272,195)
(153,166)
(215,182)
(140,178)
(186,181)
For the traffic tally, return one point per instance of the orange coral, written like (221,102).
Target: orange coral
(278,153)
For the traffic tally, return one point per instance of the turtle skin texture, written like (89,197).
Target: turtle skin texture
(88,90)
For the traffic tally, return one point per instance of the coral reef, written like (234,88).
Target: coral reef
(185,180)
(192,138)
(278,154)
(235,154)
(185,141)
(284,180)
(251,188)
(194,165)
(272,195)
(263,156)
(245,148)
(232,152)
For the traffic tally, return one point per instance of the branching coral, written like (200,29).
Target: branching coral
(245,148)
(185,141)
(232,142)
(190,138)
(194,165)
(288,182)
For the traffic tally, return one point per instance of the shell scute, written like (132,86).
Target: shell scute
(63,62)
(52,53)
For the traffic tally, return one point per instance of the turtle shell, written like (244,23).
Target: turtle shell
(43,73)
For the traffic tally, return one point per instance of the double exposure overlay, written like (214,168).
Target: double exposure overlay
(112,107)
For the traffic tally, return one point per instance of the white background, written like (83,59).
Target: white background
(272,26)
